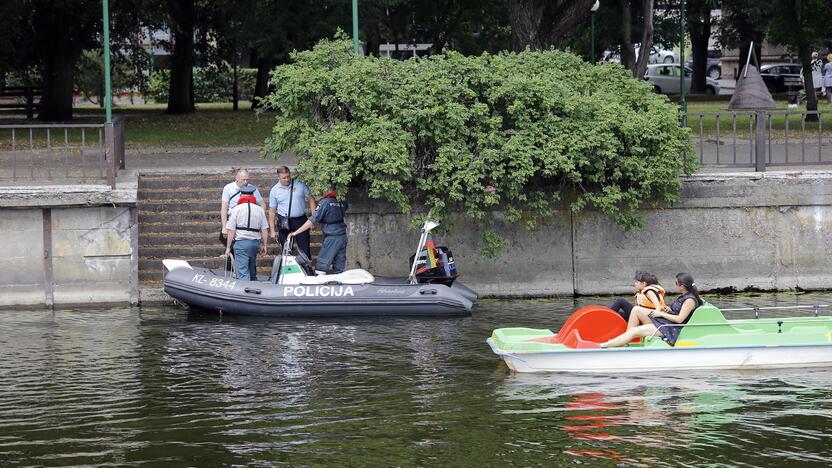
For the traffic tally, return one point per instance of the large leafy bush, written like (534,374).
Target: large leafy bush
(517,132)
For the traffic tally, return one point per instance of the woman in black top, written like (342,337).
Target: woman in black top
(665,323)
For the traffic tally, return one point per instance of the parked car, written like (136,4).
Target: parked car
(782,77)
(714,67)
(657,55)
(665,79)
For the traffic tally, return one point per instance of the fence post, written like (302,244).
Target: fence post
(118,122)
(760,143)
(110,154)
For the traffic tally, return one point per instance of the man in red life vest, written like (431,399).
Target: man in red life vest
(247,226)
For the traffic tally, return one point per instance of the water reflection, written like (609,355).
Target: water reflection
(165,386)
(633,419)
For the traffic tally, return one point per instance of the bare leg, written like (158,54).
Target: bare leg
(627,336)
(639,317)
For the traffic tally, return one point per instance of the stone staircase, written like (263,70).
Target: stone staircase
(179,217)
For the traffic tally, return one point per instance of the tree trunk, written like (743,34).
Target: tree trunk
(182,18)
(261,86)
(58,51)
(540,24)
(646,39)
(58,75)
(699,21)
(525,17)
(804,52)
(628,55)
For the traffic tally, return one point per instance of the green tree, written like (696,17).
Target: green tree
(744,22)
(512,131)
(51,35)
(699,24)
(799,24)
(181,22)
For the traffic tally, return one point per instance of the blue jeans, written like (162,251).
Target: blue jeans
(333,252)
(245,253)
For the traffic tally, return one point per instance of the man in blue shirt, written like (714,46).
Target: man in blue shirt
(330,216)
(288,200)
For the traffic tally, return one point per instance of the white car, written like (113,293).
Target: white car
(665,79)
(658,54)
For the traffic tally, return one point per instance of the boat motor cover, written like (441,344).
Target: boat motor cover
(444,272)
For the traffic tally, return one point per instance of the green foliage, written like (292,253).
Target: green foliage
(89,75)
(211,84)
(798,22)
(514,132)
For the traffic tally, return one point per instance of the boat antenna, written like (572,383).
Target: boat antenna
(426,228)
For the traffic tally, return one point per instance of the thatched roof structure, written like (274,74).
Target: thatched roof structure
(751,92)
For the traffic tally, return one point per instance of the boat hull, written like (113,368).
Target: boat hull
(647,359)
(205,289)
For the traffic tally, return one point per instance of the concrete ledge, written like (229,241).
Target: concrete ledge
(154,295)
(50,196)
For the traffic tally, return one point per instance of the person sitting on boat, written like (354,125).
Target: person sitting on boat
(247,226)
(649,296)
(669,322)
(330,215)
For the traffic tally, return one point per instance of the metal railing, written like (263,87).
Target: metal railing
(761,139)
(22,97)
(62,153)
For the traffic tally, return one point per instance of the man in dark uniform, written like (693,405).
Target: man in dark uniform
(330,216)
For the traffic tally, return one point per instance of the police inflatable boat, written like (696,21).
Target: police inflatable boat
(293,290)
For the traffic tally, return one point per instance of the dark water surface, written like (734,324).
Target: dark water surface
(163,386)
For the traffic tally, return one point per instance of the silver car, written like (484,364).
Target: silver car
(665,79)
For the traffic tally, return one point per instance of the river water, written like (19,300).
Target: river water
(169,387)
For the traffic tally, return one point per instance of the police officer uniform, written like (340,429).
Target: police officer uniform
(290,202)
(330,216)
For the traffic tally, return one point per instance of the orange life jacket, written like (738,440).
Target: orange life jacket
(644,301)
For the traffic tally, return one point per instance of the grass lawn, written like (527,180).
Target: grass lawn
(702,119)
(216,125)
(147,126)
(211,125)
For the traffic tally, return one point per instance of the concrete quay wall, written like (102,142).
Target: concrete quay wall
(68,245)
(762,231)
(770,231)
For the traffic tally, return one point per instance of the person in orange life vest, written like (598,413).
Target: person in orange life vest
(649,296)
(330,215)
(247,226)
(668,322)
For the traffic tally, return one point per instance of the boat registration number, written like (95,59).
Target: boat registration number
(214,282)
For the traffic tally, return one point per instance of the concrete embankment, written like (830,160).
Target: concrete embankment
(770,231)
(738,231)
(72,244)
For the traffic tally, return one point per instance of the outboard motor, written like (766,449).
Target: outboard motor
(442,272)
